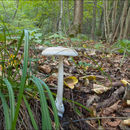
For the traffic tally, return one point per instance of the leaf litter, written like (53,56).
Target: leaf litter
(100,84)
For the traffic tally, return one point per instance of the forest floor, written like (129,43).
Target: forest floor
(101,74)
(99,98)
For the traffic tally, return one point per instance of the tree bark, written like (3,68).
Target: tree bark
(106,23)
(94,20)
(68,9)
(78,18)
(123,18)
(114,13)
(127,25)
(60,19)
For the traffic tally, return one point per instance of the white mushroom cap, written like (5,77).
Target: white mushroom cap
(59,51)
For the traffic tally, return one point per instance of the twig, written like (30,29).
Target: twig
(93,118)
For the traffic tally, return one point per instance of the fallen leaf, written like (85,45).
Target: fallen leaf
(45,68)
(51,80)
(124,82)
(99,89)
(70,81)
(84,46)
(114,123)
(109,110)
(128,102)
(126,122)
(91,77)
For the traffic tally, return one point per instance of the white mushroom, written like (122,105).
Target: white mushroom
(61,52)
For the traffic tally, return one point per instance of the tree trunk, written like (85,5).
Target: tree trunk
(68,9)
(123,18)
(106,21)
(17,4)
(78,17)
(60,19)
(101,21)
(114,13)
(127,25)
(94,20)
(118,20)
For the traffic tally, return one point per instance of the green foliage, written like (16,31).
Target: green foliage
(123,46)
(98,46)
(36,36)
(30,114)
(11,113)
(82,37)
(84,64)
(76,39)
(56,36)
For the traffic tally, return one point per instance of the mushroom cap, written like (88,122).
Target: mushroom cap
(59,51)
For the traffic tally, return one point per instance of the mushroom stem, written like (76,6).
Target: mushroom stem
(59,97)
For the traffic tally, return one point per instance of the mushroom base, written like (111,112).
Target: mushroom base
(60,108)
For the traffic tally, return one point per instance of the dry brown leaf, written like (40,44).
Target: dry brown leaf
(114,123)
(111,109)
(45,68)
(51,80)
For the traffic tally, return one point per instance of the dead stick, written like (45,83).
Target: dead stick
(114,97)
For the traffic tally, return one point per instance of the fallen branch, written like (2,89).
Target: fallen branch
(114,97)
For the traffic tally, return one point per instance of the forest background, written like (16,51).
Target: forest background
(95,20)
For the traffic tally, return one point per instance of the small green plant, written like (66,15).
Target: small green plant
(36,36)
(98,46)
(56,36)
(123,46)
(11,112)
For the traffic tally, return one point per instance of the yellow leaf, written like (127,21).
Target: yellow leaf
(70,81)
(99,89)
(128,102)
(124,82)
(84,46)
(126,122)
(91,77)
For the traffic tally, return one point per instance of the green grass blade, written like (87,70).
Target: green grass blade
(46,121)
(11,98)
(23,78)
(78,104)
(19,45)
(52,103)
(6,112)
(30,114)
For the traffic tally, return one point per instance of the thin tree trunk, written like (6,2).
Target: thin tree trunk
(61,14)
(94,20)
(68,9)
(114,13)
(127,24)
(100,21)
(17,4)
(117,28)
(105,19)
(123,18)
